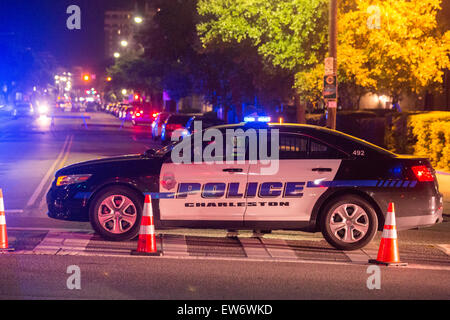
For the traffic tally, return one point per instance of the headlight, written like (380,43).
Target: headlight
(43,109)
(75,178)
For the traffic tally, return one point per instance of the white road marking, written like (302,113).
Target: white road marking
(174,246)
(44,180)
(47,229)
(14,211)
(444,247)
(372,253)
(42,203)
(357,256)
(49,245)
(254,248)
(63,243)
(74,246)
(279,249)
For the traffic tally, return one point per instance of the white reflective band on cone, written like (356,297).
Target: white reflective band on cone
(389,234)
(147,230)
(2,207)
(2,220)
(148,211)
(390,219)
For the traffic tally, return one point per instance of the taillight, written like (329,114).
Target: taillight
(174,126)
(422,173)
(138,114)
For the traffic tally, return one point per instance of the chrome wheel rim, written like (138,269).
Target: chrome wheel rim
(349,223)
(117,214)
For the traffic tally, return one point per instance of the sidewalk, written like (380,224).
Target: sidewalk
(444,187)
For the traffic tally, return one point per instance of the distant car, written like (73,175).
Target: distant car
(118,108)
(42,109)
(91,106)
(67,107)
(6,110)
(126,113)
(143,114)
(158,123)
(206,121)
(23,109)
(173,123)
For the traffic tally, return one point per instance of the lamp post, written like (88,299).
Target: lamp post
(332,53)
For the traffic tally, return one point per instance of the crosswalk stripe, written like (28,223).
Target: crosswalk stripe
(174,246)
(63,243)
(357,256)
(444,247)
(279,249)
(254,249)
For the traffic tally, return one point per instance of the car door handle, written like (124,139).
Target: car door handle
(321,169)
(232,170)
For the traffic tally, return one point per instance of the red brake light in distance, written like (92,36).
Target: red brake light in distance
(422,173)
(174,126)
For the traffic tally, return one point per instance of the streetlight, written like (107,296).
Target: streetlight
(124,43)
(116,55)
(138,20)
(124,92)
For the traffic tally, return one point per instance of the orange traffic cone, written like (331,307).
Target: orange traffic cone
(147,239)
(388,254)
(3,233)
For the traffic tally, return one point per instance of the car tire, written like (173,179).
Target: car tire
(115,213)
(349,222)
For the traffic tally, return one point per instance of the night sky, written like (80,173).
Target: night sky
(41,25)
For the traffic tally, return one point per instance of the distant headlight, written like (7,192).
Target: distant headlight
(43,109)
(75,178)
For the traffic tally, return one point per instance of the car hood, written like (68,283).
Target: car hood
(106,164)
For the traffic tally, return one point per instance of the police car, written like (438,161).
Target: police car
(322,181)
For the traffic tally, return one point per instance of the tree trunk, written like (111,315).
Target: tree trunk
(301,110)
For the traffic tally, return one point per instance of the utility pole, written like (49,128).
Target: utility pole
(330,80)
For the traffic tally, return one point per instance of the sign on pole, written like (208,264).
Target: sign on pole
(329,87)
(329,66)
(331,104)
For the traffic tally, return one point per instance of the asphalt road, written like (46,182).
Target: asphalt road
(195,264)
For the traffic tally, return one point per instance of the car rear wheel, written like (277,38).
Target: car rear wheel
(115,213)
(349,222)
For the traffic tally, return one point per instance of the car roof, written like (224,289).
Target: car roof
(323,133)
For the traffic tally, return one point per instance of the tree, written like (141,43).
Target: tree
(407,54)
(288,34)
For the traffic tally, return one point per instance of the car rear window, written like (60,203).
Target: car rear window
(178,119)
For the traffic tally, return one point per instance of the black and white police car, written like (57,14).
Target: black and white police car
(324,181)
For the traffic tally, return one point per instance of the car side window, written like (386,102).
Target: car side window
(297,146)
(293,146)
(319,150)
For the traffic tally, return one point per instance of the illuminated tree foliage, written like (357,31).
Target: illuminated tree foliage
(407,53)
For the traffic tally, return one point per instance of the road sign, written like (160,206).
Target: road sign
(329,87)
(331,104)
(329,66)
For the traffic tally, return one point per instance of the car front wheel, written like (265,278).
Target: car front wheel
(349,222)
(115,213)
